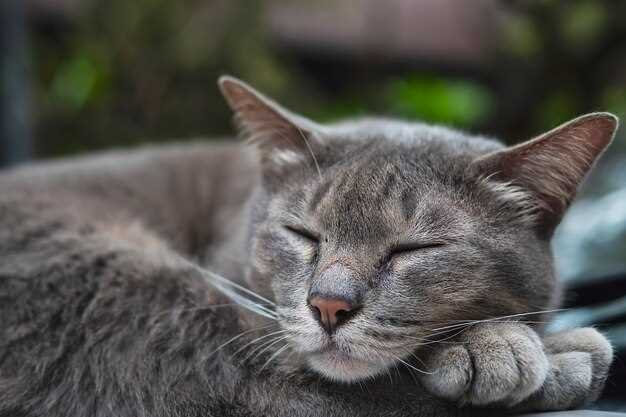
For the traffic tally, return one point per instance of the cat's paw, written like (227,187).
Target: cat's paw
(579,364)
(492,363)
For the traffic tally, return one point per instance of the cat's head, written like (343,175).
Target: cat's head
(375,237)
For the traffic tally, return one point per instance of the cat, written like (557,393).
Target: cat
(363,268)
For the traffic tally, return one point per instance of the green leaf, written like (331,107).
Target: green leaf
(440,100)
(74,82)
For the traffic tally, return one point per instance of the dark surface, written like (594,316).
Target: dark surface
(577,413)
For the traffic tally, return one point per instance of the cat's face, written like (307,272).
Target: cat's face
(396,231)
(376,238)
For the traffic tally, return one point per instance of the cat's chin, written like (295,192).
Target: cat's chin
(338,366)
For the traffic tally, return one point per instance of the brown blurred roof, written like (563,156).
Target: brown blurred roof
(58,8)
(448,30)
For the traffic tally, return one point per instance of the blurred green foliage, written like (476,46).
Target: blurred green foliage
(128,71)
(582,24)
(74,83)
(440,100)
(125,72)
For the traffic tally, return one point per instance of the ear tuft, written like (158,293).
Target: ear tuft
(232,89)
(283,138)
(551,166)
(263,121)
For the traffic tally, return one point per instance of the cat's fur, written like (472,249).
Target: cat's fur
(101,313)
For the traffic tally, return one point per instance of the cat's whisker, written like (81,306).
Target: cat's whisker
(308,146)
(389,374)
(246,302)
(411,373)
(425,341)
(275,355)
(228,287)
(420,342)
(429,339)
(266,348)
(443,340)
(462,323)
(262,345)
(194,309)
(251,305)
(235,285)
(418,359)
(503,321)
(257,340)
(397,369)
(223,345)
(466,325)
(500,318)
(460,329)
(408,365)
(360,385)
(382,358)
(259,345)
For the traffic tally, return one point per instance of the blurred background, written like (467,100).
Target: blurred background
(83,75)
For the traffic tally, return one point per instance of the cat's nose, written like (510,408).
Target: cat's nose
(330,312)
(335,296)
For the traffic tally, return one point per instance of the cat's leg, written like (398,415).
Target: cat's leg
(508,364)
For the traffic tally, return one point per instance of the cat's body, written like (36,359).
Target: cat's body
(151,345)
(102,314)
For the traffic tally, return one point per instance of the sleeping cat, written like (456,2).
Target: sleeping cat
(366,268)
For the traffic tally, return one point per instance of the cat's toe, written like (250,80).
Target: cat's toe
(532,362)
(450,372)
(496,372)
(590,351)
(570,381)
(509,363)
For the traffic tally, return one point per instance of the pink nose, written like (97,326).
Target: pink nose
(330,312)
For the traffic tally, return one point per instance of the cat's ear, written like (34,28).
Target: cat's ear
(547,170)
(282,136)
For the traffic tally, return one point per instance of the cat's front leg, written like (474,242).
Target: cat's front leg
(509,364)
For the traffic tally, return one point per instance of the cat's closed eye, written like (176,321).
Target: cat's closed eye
(408,248)
(303,234)
(311,241)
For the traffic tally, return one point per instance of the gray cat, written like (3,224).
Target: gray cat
(375,267)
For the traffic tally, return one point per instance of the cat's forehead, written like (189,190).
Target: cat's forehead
(373,181)
(398,154)
(379,177)
(377,195)
(374,148)
(412,134)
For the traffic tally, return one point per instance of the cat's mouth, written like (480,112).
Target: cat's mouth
(345,356)
(336,364)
